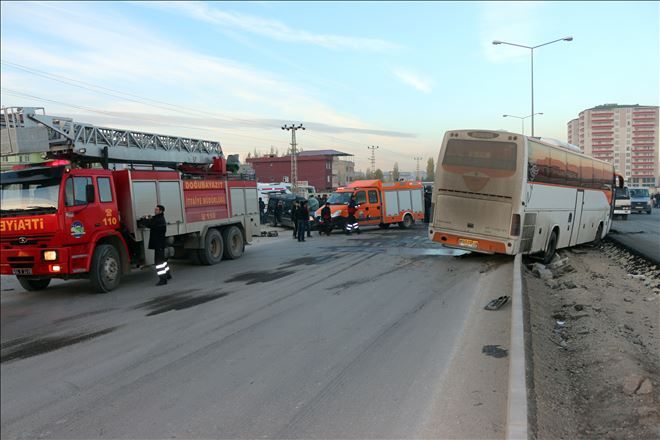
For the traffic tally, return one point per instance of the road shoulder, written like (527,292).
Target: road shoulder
(594,343)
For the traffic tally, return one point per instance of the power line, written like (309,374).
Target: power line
(128,97)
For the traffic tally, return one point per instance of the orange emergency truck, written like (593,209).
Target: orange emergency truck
(379,204)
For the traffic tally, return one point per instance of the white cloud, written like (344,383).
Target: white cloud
(272,28)
(235,101)
(413,80)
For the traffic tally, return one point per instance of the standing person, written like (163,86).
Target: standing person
(302,215)
(262,211)
(427,204)
(326,218)
(351,221)
(157,242)
(294,218)
(279,207)
(313,204)
(657,200)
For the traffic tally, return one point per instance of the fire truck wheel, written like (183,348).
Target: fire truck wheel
(234,244)
(407,222)
(384,225)
(213,248)
(105,272)
(32,284)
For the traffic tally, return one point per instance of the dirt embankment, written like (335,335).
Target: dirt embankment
(594,344)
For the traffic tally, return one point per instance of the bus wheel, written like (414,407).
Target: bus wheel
(233,241)
(213,248)
(407,222)
(550,250)
(384,225)
(105,272)
(599,234)
(33,284)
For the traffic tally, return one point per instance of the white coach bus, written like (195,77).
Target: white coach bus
(501,192)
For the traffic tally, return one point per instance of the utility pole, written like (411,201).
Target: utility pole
(417,159)
(372,159)
(294,155)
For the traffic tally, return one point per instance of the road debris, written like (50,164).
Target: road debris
(497,303)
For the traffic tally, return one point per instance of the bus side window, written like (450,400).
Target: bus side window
(603,175)
(572,170)
(586,172)
(557,166)
(538,167)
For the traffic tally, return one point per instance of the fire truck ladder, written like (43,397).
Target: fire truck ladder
(25,130)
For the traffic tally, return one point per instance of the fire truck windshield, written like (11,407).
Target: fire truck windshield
(30,192)
(339,198)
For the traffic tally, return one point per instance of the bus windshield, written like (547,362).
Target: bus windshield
(339,198)
(481,154)
(639,192)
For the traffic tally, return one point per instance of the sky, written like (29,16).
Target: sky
(396,75)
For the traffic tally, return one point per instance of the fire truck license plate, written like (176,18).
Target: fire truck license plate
(473,244)
(25,271)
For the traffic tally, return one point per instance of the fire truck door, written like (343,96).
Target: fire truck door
(83,213)
(366,210)
(374,209)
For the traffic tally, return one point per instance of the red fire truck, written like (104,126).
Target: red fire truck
(73,217)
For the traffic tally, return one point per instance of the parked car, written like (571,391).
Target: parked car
(287,201)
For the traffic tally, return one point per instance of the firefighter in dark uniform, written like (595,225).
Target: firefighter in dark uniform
(157,242)
(351,222)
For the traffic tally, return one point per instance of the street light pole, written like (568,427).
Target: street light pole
(531,48)
(522,118)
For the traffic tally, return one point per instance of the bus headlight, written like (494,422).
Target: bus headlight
(50,255)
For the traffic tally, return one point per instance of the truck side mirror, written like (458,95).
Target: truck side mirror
(89,193)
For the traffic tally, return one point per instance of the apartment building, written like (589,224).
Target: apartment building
(625,135)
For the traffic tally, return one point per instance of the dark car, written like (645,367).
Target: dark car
(287,202)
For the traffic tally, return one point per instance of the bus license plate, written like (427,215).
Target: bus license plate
(22,271)
(472,244)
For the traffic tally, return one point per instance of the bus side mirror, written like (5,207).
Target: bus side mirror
(89,193)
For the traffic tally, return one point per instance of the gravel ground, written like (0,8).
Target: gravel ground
(594,343)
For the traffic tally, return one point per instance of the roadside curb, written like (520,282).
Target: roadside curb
(621,243)
(516,422)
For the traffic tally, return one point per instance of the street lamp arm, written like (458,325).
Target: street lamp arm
(512,44)
(554,41)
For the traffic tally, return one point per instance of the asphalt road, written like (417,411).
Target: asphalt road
(640,233)
(377,335)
